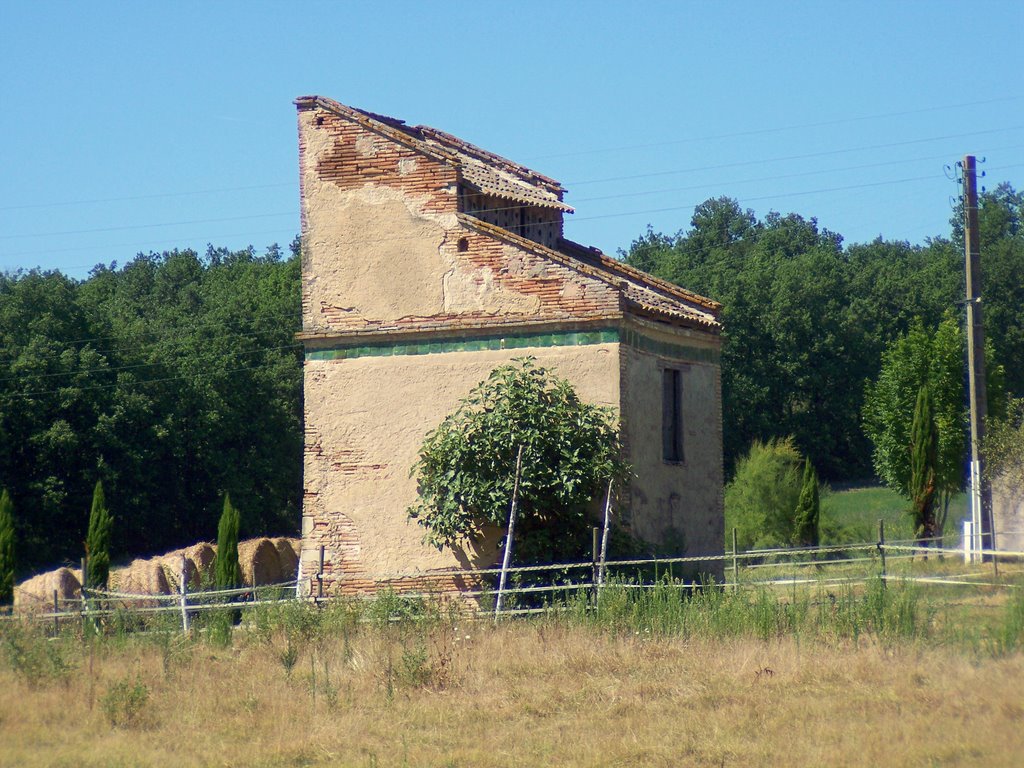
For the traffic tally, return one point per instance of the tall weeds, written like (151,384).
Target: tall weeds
(671,607)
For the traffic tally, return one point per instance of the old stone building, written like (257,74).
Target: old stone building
(428,262)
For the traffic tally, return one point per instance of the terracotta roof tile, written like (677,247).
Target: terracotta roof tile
(493,182)
(638,289)
(488,172)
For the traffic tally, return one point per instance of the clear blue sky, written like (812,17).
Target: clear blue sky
(137,126)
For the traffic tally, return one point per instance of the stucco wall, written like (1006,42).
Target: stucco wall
(384,250)
(366,419)
(676,506)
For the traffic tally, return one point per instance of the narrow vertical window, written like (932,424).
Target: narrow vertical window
(672,415)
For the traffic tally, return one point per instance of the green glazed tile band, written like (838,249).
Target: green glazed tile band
(513,341)
(638,340)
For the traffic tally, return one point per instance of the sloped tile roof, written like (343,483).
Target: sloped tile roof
(639,290)
(491,174)
(500,177)
(490,181)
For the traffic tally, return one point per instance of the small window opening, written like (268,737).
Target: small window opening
(463,245)
(672,415)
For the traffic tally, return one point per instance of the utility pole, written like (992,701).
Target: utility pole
(981,493)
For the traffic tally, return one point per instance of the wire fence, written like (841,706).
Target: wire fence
(538,588)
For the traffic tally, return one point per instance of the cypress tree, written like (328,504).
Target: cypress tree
(97,541)
(6,548)
(808,509)
(924,446)
(227,573)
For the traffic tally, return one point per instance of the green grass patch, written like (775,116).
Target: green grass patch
(853,515)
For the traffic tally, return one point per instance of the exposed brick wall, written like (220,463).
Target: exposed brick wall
(360,156)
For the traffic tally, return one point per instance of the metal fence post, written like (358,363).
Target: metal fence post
(85,604)
(184,596)
(735,563)
(593,562)
(320,578)
(881,546)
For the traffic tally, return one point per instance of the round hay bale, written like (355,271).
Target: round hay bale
(173,564)
(288,557)
(202,556)
(36,594)
(143,577)
(259,562)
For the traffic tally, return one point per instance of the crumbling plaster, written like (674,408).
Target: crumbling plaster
(366,420)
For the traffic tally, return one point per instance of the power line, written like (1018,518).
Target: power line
(135,245)
(150,226)
(807,156)
(608,197)
(505,208)
(153,196)
(778,129)
(596,151)
(766,197)
(577,183)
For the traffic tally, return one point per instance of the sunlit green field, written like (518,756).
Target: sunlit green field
(853,515)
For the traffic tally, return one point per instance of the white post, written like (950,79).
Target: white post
(184,594)
(508,536)
(975,507)
(968,541)
(604,535)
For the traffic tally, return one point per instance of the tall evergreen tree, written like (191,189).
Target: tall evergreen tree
(808,510)
(227,572)
(924,446)
(6,548)
(97,541)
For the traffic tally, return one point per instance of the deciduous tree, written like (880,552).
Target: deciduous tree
(466,466)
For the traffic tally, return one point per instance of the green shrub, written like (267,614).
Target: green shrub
(124,703)
(762,497)
(32,656)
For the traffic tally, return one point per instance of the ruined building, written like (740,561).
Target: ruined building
(428,262)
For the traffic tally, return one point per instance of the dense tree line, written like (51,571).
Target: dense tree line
(807,321)
(173,379)
(176,379)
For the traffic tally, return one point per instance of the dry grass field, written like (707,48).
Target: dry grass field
(302,689)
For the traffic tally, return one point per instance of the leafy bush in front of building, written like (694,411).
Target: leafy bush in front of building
(467,465)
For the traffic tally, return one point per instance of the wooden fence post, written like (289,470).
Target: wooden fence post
(593,561)
(56,626)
